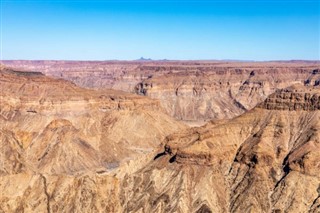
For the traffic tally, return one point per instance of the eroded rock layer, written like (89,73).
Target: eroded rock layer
(187,90)
(52,126)
(266,160)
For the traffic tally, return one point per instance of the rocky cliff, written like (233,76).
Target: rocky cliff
(187,90)
(221,92)
(263,161)
(293,98)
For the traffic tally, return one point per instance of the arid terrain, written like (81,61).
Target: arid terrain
(160,136)
(187,90)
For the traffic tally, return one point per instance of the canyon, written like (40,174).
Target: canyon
(160,136)
(187,90)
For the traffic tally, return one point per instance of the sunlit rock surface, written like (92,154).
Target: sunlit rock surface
(70,149)
(187,90)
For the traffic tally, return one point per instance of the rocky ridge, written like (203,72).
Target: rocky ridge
(262,161)
(292,98)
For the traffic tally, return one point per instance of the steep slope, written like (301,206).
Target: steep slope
(52,126)
(263,161)
(59,193)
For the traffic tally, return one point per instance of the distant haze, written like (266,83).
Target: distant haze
(182,30)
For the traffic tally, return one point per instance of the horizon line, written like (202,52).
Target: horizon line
(168,60)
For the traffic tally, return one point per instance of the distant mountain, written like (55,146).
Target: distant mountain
(144,59)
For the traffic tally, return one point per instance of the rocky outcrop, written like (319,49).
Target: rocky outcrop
(293,98)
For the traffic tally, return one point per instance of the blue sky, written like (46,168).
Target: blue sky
(160,29)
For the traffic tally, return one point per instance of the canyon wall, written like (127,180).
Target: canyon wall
(265,160)
(187,90)
(57,127)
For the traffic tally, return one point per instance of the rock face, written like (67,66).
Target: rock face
(221,92)
(266,160)
(293,98)
(59,143)
(187,90)
(51,126)
(70,149)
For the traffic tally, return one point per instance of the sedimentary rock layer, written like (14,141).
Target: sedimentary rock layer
(52,126)
(187,90)
(263,161)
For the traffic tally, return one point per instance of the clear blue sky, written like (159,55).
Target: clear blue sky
(160,29)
